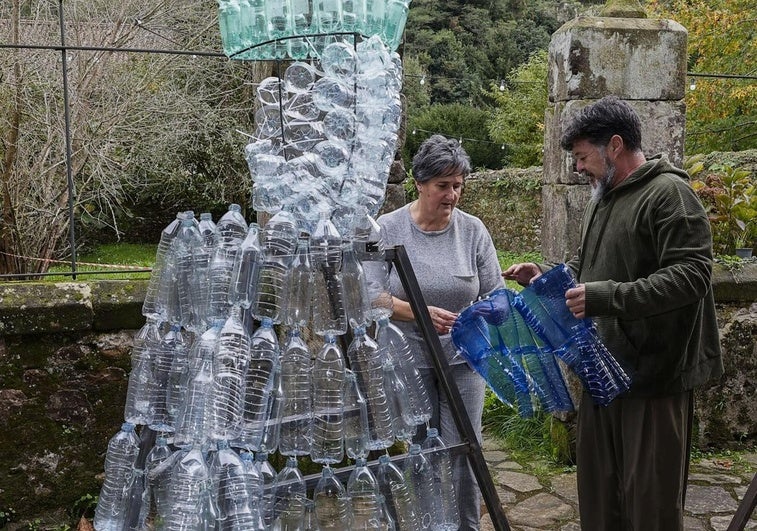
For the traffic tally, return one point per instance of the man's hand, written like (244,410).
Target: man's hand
(523,273)
(575,298)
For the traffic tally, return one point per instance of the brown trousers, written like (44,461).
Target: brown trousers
(633,463)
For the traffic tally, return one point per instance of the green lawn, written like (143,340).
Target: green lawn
(111,261)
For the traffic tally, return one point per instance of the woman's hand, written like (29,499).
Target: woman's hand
(523,273)
(442,319)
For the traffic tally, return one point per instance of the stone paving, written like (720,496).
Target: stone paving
(714,492)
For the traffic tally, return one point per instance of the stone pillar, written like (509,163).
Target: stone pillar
(640,60)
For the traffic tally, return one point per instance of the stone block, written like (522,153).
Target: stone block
(563,207)
(663,129)
(635,59)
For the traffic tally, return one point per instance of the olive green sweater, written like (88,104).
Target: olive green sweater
(646,262)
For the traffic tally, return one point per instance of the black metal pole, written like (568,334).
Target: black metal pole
(67,118)
(475,454)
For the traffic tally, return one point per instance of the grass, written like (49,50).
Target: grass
(108,258)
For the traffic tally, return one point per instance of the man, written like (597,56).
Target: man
(643,272)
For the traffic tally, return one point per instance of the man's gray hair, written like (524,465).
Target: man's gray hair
(440,156)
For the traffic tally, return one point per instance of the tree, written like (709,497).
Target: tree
(153,122)
(518,121)
(721,113)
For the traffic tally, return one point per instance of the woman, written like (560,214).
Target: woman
(454,260)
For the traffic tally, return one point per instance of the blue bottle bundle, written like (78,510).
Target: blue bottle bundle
(514,339)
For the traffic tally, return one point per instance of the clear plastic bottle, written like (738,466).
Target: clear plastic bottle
(268,485)
(192,419)
(301,18)
(363,491)
(332,506)
(229,24)
(374,17)
(386,520)
(269,443)
(279,27)
(178,376)
(394,23)
(399,406)
(232,230)
(366,361)
(357,301)
(279,243)
(158,465)
(162,367)
(259,384)
(297,408)
(186,249)
(245,276)
(208,230)
(419,477)
(123,449)
(189,491)
(138,409)
(254,486)
(328,404)
(399,503)
(355,419)
(229,488)
(290,496)
(393,341)
(447,511)
(230,362)
(329,315)
(254,30)
(328,20)
(353,15)
(161,283)
(298,288)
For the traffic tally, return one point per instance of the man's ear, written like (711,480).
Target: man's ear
(616,143)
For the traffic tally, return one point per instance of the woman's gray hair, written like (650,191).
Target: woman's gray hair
(439,156)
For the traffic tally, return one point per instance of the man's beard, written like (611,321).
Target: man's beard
(603,184)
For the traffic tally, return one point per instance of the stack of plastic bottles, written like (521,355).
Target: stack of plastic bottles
(513,340)
(326,134)
(298,29)
(212,377)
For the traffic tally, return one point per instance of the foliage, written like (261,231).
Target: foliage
(518,121)
(721,113)
(456,121)
(730,197)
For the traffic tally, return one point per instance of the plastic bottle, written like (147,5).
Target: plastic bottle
(329,315)
(138,409)
(298,288)
(229,24)
(230,362)
(328,20)
(399,406)
(269,443)
(229,488)
(279,27)
(297,408)
(208,230)
(355,419)
(394,23)
(178,376)
(374,17)
(158,465)
(254,486)
(328,404)
(394,343)
(189,491)
(186,248)
(366,361)
(290,496)
(419,477)
(386,520)
(332,507)
(246,273)
(123,449)
(353,15)
(301,17)
(268,485)
(162,367)
(279,243)
(254,30)
(399,503)
(259,384)
(362,488)
(192,419)
(447,514)
(357,300)
(160,283)
(232,230)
